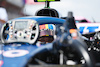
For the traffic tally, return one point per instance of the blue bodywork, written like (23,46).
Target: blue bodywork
(17,55)
(45,20)
(21,61)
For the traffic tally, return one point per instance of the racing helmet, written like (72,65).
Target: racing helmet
(47,33)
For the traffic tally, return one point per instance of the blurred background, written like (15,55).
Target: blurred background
(86,8)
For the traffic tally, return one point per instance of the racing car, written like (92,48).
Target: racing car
(20,35)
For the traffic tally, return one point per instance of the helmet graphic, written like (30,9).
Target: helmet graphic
(46,33)
(46,30)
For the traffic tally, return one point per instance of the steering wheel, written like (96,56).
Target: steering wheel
(20,31)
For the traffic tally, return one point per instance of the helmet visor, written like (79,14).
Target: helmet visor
(46,33)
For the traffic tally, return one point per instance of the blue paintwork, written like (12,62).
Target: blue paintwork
(22,60)
(91,29)
(45,20)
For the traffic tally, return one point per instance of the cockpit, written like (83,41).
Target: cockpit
(27,30)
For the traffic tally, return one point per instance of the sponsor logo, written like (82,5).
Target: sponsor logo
(14,53)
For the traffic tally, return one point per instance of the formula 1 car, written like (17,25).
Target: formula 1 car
(19,37)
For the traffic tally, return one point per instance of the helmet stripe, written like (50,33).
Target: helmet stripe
(46,26)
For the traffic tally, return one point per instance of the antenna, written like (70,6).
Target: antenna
(47,4)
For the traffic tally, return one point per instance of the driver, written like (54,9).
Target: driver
(46,34)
